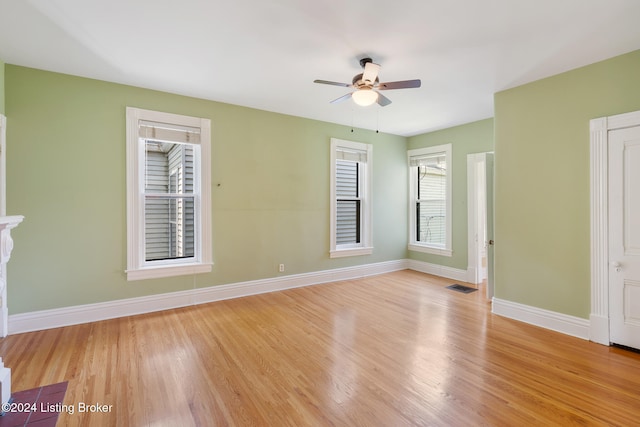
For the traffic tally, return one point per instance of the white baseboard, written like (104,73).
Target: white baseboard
(439,270)
(55,318)
(570,325)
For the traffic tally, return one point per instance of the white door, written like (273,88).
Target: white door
(624,236)
(481,219)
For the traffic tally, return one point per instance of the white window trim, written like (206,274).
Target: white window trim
(365,247)
(414,245)
(137,267)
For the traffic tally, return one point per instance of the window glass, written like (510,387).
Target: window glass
(348,203)
(169,200)
(432,198)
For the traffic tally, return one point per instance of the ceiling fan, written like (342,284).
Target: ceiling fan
(367,85)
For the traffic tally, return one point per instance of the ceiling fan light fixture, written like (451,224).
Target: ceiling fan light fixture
(365,97)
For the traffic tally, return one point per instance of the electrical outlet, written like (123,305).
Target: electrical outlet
(281,268)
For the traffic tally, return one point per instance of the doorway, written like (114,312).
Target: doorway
(480,220)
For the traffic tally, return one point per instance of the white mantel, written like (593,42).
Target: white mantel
(7,223)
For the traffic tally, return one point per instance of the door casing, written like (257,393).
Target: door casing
(599,177)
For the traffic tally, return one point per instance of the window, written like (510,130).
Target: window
(350,198)
(168,195)
(430,200)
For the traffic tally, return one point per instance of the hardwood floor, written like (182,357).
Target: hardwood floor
(391,350)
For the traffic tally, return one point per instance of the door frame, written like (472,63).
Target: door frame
(599,175)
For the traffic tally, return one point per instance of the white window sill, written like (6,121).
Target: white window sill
(167,271)
(430,250)
(339,253)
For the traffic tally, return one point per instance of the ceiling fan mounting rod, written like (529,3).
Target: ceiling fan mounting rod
(365,61)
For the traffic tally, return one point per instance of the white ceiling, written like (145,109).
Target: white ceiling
(265,54)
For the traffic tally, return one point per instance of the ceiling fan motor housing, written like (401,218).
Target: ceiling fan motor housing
(358,83)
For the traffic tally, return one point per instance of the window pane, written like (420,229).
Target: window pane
(348,222)
(168,167)
(431,205)
(169,228)
(431,227)
(346,179)
(432,181)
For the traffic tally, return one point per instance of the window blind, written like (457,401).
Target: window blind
(348,202)
(351,155)
(168,132)
(437,160)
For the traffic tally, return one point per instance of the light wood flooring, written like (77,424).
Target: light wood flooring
(397,349)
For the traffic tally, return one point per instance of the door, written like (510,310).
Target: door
(624,236)
(481,219)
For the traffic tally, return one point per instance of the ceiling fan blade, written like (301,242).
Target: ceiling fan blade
(342,98)
(370,72)
(404,84)
(327,82)
(383,100)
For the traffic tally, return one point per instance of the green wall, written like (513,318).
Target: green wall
(270,173)
(542,181)
(476,137)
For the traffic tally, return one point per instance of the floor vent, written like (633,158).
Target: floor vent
(461,288)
